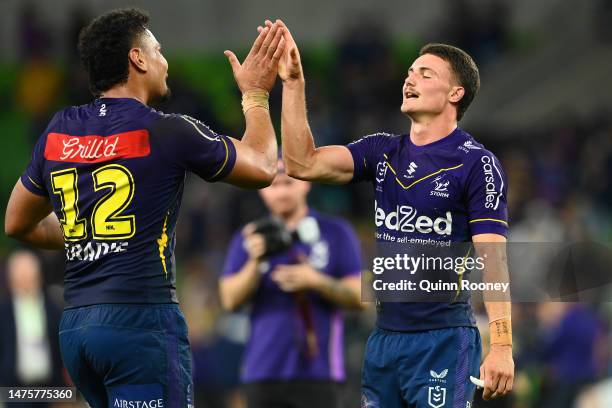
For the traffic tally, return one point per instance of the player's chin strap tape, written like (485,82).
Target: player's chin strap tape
(501,331)
(253,99)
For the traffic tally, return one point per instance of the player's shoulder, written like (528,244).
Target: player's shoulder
(378,138)
(471,151)
(103,113)
(176,123)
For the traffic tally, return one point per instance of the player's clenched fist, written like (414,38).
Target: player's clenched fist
(259,69)
(497,371)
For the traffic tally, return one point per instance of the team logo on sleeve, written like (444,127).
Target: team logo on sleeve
(467,146)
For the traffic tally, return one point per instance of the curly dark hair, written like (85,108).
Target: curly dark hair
(464,70)
(105,43)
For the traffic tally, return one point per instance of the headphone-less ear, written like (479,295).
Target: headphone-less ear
(458,92)
(135,57)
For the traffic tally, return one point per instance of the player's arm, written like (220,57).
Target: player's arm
(29,218)
(497,370)
(328,164)
(236,289)
(256,152)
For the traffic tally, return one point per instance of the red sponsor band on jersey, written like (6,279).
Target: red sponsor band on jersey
(95,149)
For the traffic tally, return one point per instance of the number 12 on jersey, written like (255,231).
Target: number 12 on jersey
(106,219)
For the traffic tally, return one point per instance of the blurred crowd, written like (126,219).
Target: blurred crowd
(560,191)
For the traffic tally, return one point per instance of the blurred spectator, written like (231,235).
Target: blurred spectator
(34,35)
(479,28)
(29,321)
(570,349)
(39,82)
(78,92)
(296,271)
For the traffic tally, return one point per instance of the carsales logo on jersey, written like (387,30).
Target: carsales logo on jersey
(405,219)
(490,189)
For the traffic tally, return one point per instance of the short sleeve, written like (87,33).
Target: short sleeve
(236,256)
(366,153)
(487,189)
(348,253)
(195,147)
(33,177)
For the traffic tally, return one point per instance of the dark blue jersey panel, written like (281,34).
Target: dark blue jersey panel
(114,170)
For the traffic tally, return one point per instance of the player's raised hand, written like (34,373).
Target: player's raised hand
(259,69)
(290,64)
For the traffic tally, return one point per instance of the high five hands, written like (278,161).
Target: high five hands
(259,69)
(290,64)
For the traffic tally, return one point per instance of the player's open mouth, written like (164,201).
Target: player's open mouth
(409,95)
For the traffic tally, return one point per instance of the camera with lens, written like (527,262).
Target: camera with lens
(278,238)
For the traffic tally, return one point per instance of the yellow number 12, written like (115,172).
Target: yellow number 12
(106,219)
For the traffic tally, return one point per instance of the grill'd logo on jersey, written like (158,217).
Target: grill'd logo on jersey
(404,219)
(95,149)
(490,189)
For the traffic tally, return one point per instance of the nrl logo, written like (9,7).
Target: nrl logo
(381,171)
(436,397)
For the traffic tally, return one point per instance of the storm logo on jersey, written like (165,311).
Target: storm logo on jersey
(405,219)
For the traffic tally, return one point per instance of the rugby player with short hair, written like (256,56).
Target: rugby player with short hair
(434,184)
(105,183)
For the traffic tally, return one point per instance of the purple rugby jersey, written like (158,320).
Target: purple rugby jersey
(114,170)
(448,190)
(277,349)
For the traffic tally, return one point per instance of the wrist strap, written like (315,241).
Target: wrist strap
(500,331)
(253,99)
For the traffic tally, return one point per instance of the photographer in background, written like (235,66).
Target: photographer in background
(297,269)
